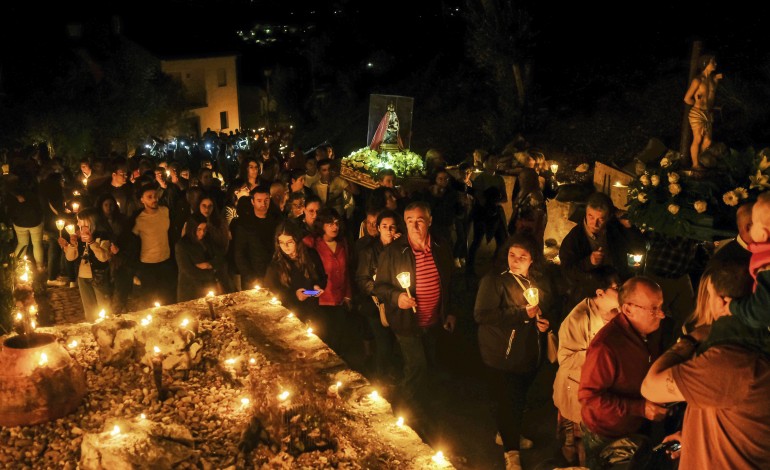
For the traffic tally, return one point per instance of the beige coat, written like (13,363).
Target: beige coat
(575,334)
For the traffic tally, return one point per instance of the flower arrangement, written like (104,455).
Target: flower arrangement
(700,205)
(404,162)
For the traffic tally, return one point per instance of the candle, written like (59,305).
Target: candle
(19,316)
(290,315)
(257,288)
(115,431)
(24,277)
(70,229)
(43,359)
(375,396)
(102,316)
(146,320)
(283,396)
(400,422)
(85,181)
(32,324)
(75,206)
(275,301)
(210,301)
(252,361)
(157,373)
(310,331)
(73,344)
(230,361)
(76,193)
(156,304)
(245,402)
(405,279)
(184,323)
(439,459)
(554,168)
(142,416)
(532,295)
(60,225)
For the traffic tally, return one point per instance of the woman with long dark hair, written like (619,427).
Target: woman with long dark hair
(335,301)
(511,334)
(200,265)
(296,272)
(123,248)
(219,231)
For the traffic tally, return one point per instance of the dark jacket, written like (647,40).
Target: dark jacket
(297,280)
(500,309)
(575,255)
(195,282)
(254,244)
(397,258)
(368,251)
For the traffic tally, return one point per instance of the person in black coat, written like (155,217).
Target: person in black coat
(294,270)
(254,240)
(200,265)
(598,240)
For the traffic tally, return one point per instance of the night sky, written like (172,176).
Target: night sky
(582,52)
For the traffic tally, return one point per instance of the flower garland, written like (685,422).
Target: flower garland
(404,162)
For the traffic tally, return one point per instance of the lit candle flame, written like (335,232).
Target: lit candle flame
(33,324)
(290,315)
(19,316)
(440,459)
(24,277)
(554,168)
(339,385)
(76,193)
(156,350)
(374,395)
(146,320)
(257,288)
(157,304)
(638,258)
(405,279)
(185,322)
(283,396)
(115,431)
(43,359)
(75,206)
(102,314)
(210,294)
(252,361)
(230,361)
(275,301)
(60,224)
(400,422)
(70,229)
(73,344)
(310,331)
(33,309)
(532,295)
(142,416)
(245,402)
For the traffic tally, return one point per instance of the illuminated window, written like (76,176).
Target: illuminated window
(223,120)
(222,77)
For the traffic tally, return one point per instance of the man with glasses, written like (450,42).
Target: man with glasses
(121,189)
(615,366)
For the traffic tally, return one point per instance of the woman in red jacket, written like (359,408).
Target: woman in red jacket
(335,301)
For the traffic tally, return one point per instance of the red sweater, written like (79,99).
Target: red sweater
(336,266)
(610,386)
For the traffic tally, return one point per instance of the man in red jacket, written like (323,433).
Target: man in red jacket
(616,363)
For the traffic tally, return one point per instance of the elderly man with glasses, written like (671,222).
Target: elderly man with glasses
(616,363)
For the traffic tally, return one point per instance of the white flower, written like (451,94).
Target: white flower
(642,197)
(700,206)
(730,198)
(673,208)
(742,193)
(673,177)
(674,189)
(645,180)
(655,180)
(665,162)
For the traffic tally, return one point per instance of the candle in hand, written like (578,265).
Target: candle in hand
(60,225)
(405,279)
(532,296)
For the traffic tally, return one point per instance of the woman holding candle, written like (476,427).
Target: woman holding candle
(512,337)
(335,300)
(91,248)
(123,248)
(295,270)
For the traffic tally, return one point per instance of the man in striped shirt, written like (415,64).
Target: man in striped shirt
(417,313)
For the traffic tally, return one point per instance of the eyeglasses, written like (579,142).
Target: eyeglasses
(653,310)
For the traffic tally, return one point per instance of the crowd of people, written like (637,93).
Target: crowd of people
(381,268)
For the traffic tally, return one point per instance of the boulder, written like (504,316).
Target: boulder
(144,444)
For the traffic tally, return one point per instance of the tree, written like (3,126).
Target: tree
(500,41)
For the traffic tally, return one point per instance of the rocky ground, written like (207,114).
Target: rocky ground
(317,426)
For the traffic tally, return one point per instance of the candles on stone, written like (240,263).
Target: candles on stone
(283,396)
(275,301)
(439,459)
(115,430)
(73,344)
(146,320)
(210,302)
(157,373)
(400,422)
(43,359)
(102,316)
(405,279)
(156,304)
(334,389)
